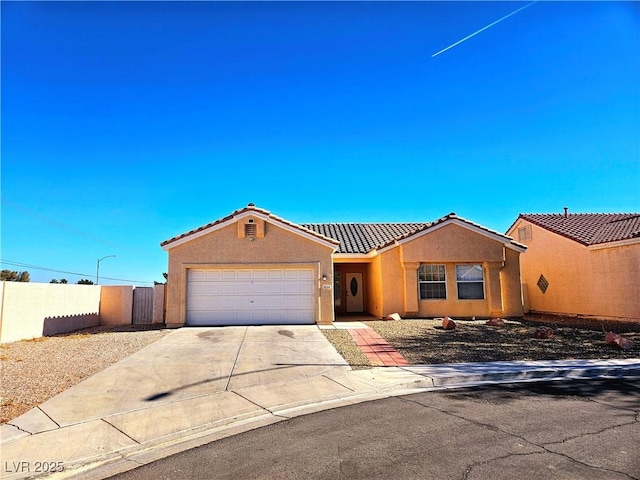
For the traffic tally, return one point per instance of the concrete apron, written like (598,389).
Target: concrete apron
(197,385)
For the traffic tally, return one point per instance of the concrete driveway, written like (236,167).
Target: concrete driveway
(190,363)
(193,378)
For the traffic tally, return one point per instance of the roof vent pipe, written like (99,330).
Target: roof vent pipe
(566,210)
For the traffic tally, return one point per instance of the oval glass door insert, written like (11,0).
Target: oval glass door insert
(353,286)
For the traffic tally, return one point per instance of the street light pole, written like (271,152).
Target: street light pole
(98,266)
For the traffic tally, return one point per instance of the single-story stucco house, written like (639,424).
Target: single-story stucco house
(584,264)
(253,267)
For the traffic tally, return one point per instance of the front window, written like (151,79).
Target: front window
(470,280)
(432,282)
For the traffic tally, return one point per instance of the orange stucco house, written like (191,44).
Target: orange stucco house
(253,267)
(581,264)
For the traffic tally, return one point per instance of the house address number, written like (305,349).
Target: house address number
(326,287)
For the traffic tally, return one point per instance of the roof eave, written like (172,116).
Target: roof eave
(454,219)
(245,212)
(615,243)
(355,257)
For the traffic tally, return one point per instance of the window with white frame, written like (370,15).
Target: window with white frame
(432,282)
(470,280)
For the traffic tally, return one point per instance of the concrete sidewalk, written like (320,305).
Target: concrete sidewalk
(197,385)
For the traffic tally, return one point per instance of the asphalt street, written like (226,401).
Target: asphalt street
(551,430)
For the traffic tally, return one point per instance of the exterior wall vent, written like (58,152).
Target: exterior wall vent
(524,233)
(543,284)
(250,229)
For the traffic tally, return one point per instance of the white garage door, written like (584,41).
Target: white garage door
(250,296)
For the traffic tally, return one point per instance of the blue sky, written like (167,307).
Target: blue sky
(124,124)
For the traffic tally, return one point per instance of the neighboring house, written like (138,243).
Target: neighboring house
(581,264)
(253,267)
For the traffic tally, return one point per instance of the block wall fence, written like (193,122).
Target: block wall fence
(31,310)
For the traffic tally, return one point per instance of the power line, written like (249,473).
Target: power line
(32,213)
(36,267)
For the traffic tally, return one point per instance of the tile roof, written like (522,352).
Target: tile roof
(589,228)
(361,238)
(252,208)
(356,238)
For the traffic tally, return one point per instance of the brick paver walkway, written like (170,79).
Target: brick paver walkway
(376,348)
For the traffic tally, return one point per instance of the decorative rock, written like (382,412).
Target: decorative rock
(394,316)
(448,324)
(495,322)
(543,332)
(617,341)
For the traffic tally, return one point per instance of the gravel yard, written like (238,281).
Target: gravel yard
(33,371)
(424,341)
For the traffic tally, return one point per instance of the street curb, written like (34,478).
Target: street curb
(539,375)
(112,463)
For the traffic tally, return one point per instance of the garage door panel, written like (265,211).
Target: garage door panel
(275,302)
(211,289)
(291,274)
(204,289)
(290,288)
(260,274)
(306,302)
(244,274)
(260,287)
(275,274)
(275,288)
(243,288)
(196,304)
(305,275)
(259,302)
(306,289)
(228,274)
(228,288)
(196,275)
(213,275)
(198,288)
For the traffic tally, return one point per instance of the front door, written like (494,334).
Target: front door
(355,299)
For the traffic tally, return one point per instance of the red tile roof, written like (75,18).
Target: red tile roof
(588,228)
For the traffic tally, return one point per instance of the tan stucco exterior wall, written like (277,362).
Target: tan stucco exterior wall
(392,282)
(451,245)
(376,303)
(158,304)
(582,281)
(511,282)
(116,305)
(27,310)
(225,247)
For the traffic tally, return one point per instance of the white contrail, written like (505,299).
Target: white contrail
(482,29)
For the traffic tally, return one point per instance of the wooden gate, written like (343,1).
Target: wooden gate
(142,305)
